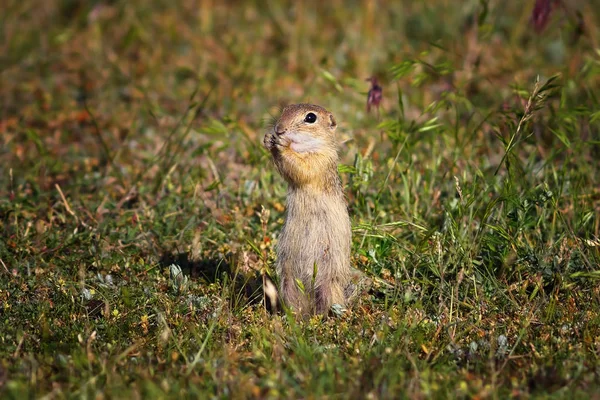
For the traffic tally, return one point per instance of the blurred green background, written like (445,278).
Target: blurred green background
(131,139)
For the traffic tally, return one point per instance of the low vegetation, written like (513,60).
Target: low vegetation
(139,212)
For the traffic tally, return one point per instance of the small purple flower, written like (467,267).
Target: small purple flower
(541,14)
(375,95)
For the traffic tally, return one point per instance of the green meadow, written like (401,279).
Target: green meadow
(139,211)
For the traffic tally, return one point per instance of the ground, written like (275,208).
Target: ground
(139,213)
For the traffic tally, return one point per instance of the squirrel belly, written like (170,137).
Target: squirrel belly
(313,252)
(314,249)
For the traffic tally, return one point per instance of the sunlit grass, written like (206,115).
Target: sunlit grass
(130,149)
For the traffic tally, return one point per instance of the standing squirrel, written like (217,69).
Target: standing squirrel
(313,253)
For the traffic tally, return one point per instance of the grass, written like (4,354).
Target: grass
(131,141)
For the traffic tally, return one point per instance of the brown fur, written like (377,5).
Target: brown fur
(314,246)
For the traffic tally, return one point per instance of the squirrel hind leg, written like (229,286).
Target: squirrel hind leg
(293,297)
(327,295)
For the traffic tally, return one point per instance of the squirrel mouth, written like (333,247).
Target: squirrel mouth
(303,143)
(298,142)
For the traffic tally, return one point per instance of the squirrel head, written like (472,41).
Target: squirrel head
(307,127)
(303,144)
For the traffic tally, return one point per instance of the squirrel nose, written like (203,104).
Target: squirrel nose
(279,131)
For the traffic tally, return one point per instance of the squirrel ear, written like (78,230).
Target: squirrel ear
(332,123)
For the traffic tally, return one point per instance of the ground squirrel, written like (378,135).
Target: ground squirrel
(313,253)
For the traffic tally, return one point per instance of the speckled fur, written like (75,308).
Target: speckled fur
(314,245)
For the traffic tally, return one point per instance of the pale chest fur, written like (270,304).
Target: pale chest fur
(317,233)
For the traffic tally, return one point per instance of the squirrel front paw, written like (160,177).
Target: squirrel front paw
(269,141)
(272,142)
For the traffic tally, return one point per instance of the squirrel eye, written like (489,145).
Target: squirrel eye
(310,118)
